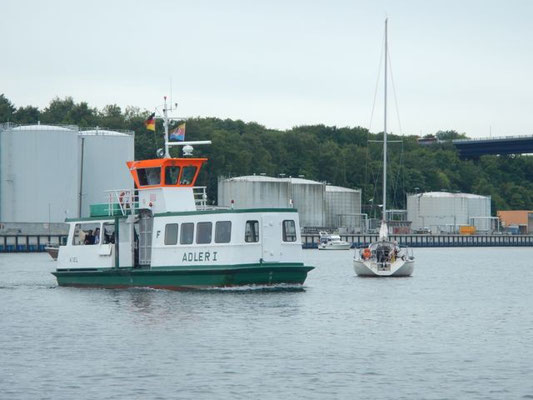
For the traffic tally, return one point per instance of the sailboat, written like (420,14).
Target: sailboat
(384,257)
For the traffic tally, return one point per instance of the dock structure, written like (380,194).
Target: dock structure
(310,241)
(16,243)
(36,243)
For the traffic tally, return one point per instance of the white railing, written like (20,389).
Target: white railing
(125,198)
(200,197)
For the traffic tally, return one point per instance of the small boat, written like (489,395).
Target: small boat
(162,235)
(384,257)
(52,250)
(332,242)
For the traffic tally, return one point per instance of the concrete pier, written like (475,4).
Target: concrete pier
(310,241)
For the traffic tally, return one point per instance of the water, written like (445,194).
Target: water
(461,327)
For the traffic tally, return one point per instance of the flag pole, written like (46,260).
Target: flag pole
(165,124)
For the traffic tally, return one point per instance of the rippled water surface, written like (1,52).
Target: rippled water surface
(461,327)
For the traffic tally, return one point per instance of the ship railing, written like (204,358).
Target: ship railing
(200,197)
(123,201)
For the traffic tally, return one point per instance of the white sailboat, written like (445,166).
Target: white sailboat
(384,257)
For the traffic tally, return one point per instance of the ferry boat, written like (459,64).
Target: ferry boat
(162,235)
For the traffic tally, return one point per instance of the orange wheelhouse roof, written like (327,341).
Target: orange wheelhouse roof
(165,172)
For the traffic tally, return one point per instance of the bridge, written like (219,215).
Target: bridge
(471,148)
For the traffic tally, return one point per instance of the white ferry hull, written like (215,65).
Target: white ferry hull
(399,268)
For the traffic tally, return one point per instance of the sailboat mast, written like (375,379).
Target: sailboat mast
(385,131)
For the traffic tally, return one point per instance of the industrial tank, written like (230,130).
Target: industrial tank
(263,191)
(39,173)
(343,207)
(445,212)
(104,155)
(308,198)
(44,169)
(253,191)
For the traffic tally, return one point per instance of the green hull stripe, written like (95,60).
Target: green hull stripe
(185,277)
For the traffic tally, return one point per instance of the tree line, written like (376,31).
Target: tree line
(343,156)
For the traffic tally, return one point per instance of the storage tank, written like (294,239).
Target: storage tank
(264,191)
(253,191)
(343,208)
(39,173)
(44,168)
(309,199)
(445,212)
(105,154)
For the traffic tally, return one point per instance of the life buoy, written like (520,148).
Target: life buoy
(366,253)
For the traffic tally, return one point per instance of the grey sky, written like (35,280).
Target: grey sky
(463,65)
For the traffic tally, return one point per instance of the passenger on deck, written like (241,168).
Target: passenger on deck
(96,236)
(89,238)
(81,236)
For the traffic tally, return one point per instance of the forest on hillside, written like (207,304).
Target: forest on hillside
(343,156)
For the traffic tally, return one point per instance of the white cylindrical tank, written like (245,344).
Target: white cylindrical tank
(267,192)
(253,192)
(308,198)
(39,173)
(445,212)
(105,154)
(343,207)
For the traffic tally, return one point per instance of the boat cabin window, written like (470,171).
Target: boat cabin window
(187,175)
(108,233)
(171,234)
(289,231)
(171,175)
(251,232)
(149,176)
(203,232)
(86,234)
(223,232)
(187,233)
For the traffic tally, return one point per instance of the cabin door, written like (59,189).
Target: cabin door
(271,238)
(146,222)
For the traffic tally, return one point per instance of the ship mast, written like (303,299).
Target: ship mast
(384,217)
(168,143)
(165,124)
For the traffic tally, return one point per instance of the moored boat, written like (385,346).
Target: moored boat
(162,235)
(52,250)
(331,241)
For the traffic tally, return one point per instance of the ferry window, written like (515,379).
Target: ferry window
(187,175)
(289,231)
(171,234)
(88,233)
(149,176)
(203,232)
(171,175)
(251,232)
(108,233)
(223,232)
(187,233)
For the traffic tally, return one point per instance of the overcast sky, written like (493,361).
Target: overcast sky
(463,65)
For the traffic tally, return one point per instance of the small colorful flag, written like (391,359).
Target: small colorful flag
(178,133)
(150,122)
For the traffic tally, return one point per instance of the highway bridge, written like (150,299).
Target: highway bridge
(472,148)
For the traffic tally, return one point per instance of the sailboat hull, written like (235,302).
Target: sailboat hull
(399,268)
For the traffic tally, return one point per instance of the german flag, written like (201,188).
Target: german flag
(150,122)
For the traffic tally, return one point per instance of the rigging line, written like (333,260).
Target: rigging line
(377,83)
(395,96)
